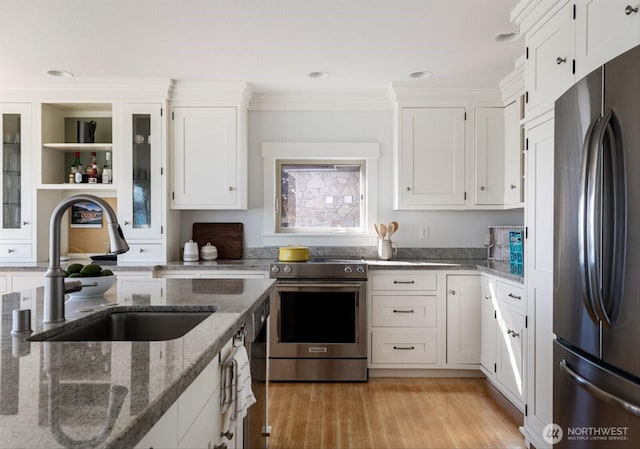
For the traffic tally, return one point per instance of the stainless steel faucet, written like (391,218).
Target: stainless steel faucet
(54,277)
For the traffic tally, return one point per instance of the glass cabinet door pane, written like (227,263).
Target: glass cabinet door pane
(141,171)
(11,172)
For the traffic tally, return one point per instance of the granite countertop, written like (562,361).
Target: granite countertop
(500,269)
(496,268)
(56,394)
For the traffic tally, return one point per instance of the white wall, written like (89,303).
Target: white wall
(446,228)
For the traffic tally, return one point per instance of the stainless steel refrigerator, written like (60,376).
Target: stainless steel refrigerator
(596,292)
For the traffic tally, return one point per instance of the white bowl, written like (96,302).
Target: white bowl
(102,284)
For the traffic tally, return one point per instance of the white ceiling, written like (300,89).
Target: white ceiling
(272,44)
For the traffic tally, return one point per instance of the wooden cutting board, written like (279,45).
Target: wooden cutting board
(227,237)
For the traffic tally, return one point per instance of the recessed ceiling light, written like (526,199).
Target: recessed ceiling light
(59,73)
(318,75)
(421,75)
(507,37)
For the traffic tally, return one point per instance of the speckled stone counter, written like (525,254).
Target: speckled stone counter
(57,394)
(500,269)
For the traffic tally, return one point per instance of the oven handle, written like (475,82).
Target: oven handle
(320,285)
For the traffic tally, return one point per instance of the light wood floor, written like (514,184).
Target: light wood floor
(392,413)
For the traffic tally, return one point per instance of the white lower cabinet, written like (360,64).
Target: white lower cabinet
(503,337)
(422,319)
(463,325)
(510,352)
(404,322)
(194,420)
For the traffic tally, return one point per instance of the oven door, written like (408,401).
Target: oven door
(318,319)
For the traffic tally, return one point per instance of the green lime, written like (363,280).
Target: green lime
(76,275)
(74,268)
(91,270)
(106,273)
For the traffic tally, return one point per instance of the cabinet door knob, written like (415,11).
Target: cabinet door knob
(560,60)
(126,222)
(513,186)
(513,333)
(630,10)
(483,188)
(230,188)
(452,292)
(408,188)
(25,223)
(10,250)
(487,296)
(140,250)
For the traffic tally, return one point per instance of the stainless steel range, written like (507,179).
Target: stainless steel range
(318,330)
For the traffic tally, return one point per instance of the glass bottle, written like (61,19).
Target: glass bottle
(106,170)
(92,170)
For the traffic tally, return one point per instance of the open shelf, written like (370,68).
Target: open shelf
(79,146)
(81,186)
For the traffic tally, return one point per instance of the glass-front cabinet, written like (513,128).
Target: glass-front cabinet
(15,166)
(139,196)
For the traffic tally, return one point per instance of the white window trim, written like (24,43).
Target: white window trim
(272,152)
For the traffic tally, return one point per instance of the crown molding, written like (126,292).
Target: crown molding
(211,92)
(527,13)
(421,96)
(512,85)
(319,101)
(88,88)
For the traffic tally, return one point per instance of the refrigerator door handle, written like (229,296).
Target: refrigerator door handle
(584,222)
(598,392)
(594,219)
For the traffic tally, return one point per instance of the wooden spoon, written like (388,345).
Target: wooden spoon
(375,226)
(391,228)
(395,227)
(383,230)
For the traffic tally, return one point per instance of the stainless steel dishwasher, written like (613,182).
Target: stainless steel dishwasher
(256,427)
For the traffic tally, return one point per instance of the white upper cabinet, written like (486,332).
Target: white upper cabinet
(604,29)
(489,156)
(209,159)
(513,156)
(431,157)
(549,60)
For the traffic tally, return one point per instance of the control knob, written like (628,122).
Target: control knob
(360,269)
(348,269)
(275,269)
(287,269)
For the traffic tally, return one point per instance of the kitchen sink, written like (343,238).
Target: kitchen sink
(129,326)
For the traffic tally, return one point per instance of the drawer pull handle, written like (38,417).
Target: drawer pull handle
(220,446)
(140,250)
(511,295)
(403,311)
(513,333)
(11,250)
(630,10)
(404,282)
(404,348)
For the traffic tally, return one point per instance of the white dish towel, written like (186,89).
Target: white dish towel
(235,389)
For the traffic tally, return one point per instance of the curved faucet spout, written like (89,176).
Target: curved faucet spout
(54,277)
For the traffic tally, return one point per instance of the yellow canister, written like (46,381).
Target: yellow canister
(293,254)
